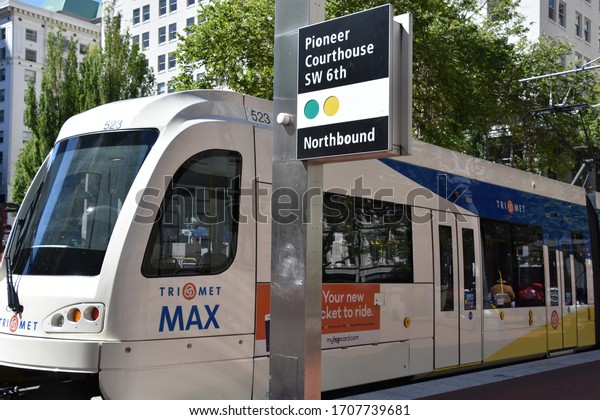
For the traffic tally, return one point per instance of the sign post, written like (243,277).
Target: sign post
(340,93)
(296,257)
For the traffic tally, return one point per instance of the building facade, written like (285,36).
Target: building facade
(155,24)
(574,21)
(23,32)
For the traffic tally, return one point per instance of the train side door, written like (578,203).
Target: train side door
(446,304)
(469,255)
(562,325)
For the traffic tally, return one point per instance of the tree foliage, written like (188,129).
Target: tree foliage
(469,57)
(119,71)
(234,44)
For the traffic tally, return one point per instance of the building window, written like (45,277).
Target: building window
(31,35)
(3,53)
(1,115)
(191,2)
(172,61)
(587,30)
(161,63)
(3,33)
(145,40)
(172,31)
(135,40)
(172,5)
(83,49)
(30,55)
(562,14)
(189,22)
(2,74)
(552,10)
(146,13)
(136,16)
(29,74)
(578,24)
(162,7)
(2,95)
(160,88)
(1,136)
(162,35)
(2,156)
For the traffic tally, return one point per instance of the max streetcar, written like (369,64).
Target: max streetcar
(139,261)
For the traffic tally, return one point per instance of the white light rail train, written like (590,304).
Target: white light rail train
(138,266)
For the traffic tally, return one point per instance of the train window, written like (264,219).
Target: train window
(568,287)
(446,269)
(552,260)
(196,230)
(468,244)
(580,254)
(514,265)
(366,241)
(70,221)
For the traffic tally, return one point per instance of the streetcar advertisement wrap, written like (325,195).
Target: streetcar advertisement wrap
(349,315)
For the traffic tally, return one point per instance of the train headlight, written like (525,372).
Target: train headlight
(79,318)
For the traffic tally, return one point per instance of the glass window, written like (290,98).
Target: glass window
(3,53)
(2,74)
(514,266)
(136,16)
(2,95)
(366,241)
(196,229)
(172,31)
(580,254)
(470,286)
(146,12)
(446,269)
(578,24)
(162,34)
(161,63)
(172,5)
(552,260)
(568,287)
(145,40)
(162,7)
(67,227)
(587,30)
(562,14)
(552,10)
(172,61)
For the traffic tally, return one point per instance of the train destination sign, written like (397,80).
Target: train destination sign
(345,86)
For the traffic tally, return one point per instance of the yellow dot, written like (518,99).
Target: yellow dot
(331,106)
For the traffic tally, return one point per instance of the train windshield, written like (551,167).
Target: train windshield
(67,227)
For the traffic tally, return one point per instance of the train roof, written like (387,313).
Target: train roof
(161,110)
(437,158)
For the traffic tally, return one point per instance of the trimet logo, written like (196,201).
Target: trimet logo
(510,206)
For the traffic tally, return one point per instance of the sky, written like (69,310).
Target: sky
(37,3)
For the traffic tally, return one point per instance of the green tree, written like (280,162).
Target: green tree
(465,72)
(234,42)
(119,71)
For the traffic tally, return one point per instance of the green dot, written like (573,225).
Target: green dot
(311,109)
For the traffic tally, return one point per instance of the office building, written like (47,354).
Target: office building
(23,31)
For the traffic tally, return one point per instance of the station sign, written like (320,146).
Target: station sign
(348,87)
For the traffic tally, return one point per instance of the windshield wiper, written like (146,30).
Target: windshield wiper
(13,297)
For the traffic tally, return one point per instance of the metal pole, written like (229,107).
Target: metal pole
(296,237)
